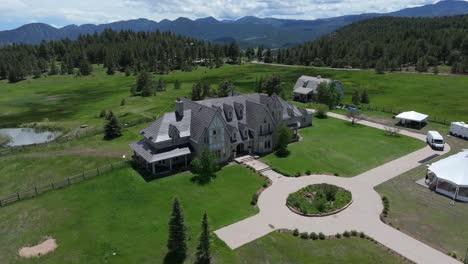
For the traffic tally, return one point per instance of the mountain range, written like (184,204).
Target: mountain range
(248,31)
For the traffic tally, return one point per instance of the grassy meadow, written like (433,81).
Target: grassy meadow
(120,213)
(334,146)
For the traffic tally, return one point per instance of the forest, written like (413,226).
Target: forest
(125,51)
(387,43)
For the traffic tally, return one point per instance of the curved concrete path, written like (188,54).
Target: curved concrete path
(362,215)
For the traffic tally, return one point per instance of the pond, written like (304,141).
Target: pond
(13,137)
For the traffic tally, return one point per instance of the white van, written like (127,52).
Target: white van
(459,129)
(435,140)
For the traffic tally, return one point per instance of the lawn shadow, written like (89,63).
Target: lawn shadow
(282,153)
(202,180)
(172,258)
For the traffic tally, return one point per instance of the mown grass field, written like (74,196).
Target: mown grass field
(120,212)
(333,146)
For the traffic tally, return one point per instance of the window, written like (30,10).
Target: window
(214,132)
(267,144)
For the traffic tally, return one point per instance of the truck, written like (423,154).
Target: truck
(435,140)
(459,129)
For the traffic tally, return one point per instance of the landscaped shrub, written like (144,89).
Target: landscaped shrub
(346,234)
(321,111)
(321,236)
(338,235)
(298,174)
(336,174)
(295,232)
(308,172)
(386,204)
(313,236)
(254,199)
(362,235)
(304,235)
(354,233)
(319,199)
(265,185)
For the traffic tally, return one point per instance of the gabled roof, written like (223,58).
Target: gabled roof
(453,169)
(308,84)
(202,116)
(158,131)
(412,116)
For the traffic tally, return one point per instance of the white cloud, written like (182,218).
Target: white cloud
(104,11)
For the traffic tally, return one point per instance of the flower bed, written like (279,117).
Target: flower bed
(319,199)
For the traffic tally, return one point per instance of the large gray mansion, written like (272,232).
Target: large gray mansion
(228,126)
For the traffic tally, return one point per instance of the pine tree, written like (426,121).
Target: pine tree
(205,166)
(356,98)
(177,84)
(197,91)
(203,255)
(224,88)
(177,241)
(85,66)
(283,138)
(206,90)
(53,68)
(268,56)
(112,129)
(272,85)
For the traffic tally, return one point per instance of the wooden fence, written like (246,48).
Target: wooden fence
(37,190)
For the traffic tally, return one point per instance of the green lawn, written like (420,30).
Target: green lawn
(69,101)
(424,214)
(334,146)
(285,248)
(120,212)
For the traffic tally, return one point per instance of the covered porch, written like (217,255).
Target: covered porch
(303,94)
(160,161)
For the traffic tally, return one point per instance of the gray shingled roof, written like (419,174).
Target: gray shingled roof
(307,84)
(201,118)
(158,131)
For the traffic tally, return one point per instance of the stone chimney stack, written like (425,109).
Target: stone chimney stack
(179,109)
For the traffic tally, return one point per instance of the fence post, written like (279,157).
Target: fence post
(53,187)
(1,203)
(97,171)
(82,175)
(35,189)
(17,194)
(68,180)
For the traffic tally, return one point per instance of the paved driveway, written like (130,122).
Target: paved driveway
(362,215)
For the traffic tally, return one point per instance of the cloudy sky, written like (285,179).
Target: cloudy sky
(14,13)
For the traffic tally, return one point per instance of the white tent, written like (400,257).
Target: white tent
(450,176)
(407,118)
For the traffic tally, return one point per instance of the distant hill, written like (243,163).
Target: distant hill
(248,31)
(389,43)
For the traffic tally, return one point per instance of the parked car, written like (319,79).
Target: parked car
(435,140)
(459,129)
(351,108)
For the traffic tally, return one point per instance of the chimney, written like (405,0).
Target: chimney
(179,109)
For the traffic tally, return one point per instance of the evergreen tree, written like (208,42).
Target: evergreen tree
(197,91)
(85,66)
(144,84)
(421,65)
(161,86)
(380,66)
(224,88)
(53,68)
(365,97)
(260,53)
(203,255)
(177,85)
(283,137)
(206,90)
(268,57)
(112,129)
(272,85)
(177,241)
(356,99)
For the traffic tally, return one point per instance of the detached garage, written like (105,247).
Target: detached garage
(450,176)
(412,119)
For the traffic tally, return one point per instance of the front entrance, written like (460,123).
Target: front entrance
(240,148)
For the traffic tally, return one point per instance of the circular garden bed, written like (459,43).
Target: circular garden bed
(319,200)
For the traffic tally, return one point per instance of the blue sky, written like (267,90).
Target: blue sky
(15,13)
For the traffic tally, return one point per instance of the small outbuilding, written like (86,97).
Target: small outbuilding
(450,176)
(412,119)
(306,87)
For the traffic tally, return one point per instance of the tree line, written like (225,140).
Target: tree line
(125,51)
(386,43)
